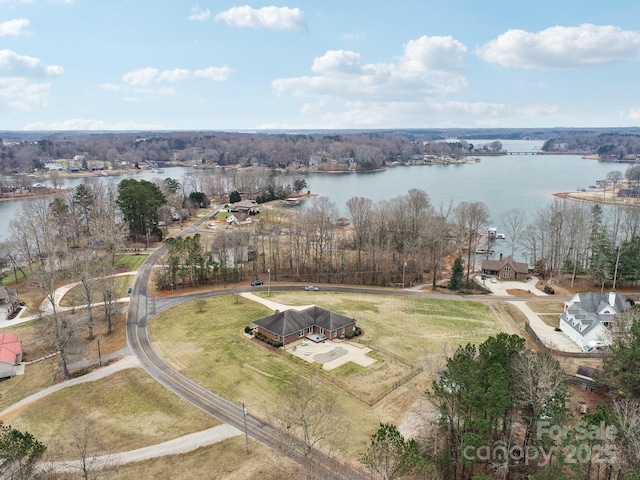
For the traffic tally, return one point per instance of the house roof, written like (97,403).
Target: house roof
(591,309)
(290,321)
(496,265)
(7,295)
(10,348)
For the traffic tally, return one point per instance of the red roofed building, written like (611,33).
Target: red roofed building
(10,354)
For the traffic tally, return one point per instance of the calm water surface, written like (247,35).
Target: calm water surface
(526,182)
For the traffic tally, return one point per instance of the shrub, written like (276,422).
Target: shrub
(357,331)
(248,329)
(549,290)
(349,335)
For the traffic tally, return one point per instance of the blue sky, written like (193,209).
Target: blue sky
(317,64)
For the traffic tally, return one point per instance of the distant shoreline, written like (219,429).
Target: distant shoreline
(52,192)
(606,197)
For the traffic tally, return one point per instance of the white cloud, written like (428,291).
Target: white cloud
(275,18)
(562,47)
(199,15)
(139,85)
(428,66)
(217,74)
(13,64)
(14,27)
(141,77)
(24,81)
(144,77)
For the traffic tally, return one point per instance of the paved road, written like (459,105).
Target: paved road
(144,307)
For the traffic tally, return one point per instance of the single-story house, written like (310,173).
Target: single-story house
(9,302)
(505,268)
(588,317)
(10,354)
(314,323)
(245,206)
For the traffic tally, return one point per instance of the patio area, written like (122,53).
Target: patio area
(331,354)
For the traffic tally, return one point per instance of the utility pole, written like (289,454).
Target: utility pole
(246,436)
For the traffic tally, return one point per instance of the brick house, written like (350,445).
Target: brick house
(505,268)
(314,323)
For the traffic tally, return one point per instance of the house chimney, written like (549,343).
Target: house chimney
(612,298)
(500,257)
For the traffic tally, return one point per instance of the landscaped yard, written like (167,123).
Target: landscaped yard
(209,347)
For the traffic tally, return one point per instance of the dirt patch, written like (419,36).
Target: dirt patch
(516,292)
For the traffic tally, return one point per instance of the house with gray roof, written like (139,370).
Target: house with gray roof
(314,323)
(588,317)
(9,302)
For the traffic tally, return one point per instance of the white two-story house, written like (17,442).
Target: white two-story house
(588,317)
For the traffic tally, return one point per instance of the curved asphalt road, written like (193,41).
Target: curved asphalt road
(142,308)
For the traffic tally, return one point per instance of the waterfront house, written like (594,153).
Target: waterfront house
(588,317)
(506,268)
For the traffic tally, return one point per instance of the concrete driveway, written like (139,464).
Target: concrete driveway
(502,286)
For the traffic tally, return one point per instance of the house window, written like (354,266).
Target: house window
(322,331)
(506,273)
(310,329)
(301,333)
(277,338)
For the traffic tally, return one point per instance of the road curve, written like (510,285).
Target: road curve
(142,308)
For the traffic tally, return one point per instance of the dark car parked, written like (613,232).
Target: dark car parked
(255,283)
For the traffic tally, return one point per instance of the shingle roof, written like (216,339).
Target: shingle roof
(586,306)
(519,267)
(291,321)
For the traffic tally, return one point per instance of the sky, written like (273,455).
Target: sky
(318,64)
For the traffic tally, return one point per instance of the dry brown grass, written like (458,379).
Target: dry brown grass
(210,348)
(546,307)
(231,463)
(129,410)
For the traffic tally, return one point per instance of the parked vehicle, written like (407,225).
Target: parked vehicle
(494,280)
(257,282)
(311,288)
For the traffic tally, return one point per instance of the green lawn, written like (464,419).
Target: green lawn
(132,262)
(209,346)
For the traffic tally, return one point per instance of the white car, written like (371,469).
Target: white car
(311,288)
(494,280)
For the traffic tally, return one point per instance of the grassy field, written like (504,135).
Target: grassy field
(129,410)
(209,347)
(231,463)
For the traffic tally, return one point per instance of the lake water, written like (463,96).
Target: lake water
(504,182)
